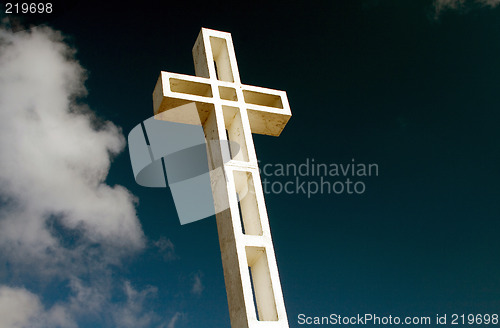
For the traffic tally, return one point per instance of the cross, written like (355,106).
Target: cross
(228,109)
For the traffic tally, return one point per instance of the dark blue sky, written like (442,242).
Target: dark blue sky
(385,82)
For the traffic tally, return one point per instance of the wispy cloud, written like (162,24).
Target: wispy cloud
(442,5)
(134,313)
(491,3)
(198,287)
(174,320)
(166,248)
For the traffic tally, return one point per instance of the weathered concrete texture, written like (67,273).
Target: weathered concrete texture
(228,109)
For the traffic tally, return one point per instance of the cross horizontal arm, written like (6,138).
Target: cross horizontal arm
(268,109)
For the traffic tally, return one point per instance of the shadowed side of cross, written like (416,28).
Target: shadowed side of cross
(230,110)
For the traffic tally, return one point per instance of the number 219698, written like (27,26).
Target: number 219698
(28,8)
(474,319)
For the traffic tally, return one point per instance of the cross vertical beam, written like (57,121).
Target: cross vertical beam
(229,109)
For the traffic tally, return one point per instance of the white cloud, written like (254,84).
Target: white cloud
(54,156)
(491,3)
(17,307)
(59,220)
(451,4)
(441,5)
(20,308)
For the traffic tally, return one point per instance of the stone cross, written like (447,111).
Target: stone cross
(230,110)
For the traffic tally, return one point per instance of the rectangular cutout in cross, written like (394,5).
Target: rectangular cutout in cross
(262,99)
(235,133)
(228,93)
(249,209)
(190,87)
(261,283)
(221,58)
